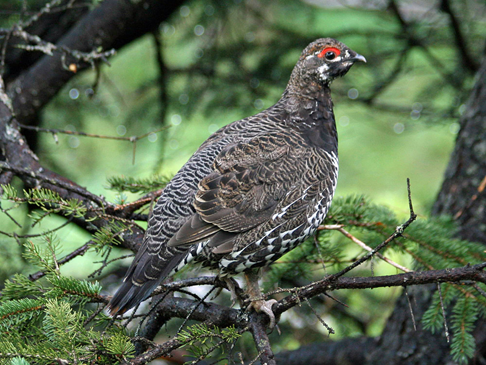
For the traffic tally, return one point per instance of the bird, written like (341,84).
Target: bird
(253,191)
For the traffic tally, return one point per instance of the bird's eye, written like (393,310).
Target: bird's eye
(329,53)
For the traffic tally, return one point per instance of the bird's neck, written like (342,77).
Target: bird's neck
(310,111)
(307,87)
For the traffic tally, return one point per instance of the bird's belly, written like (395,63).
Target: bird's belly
(271,247)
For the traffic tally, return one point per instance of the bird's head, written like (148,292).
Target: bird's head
(326,59)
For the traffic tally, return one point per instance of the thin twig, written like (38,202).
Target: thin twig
(254,360)
(201,301)
(163,95)
(369,249)
(321,258)
(329,329)
(446,328)
(93,315)
(5,211)
(467,59)
(479,289)
(132,139)
(411,310)
(38,44)
(207,352)
(83,134)
(200,280)
(80,251)
(413,41)
(47,8)
(37,234)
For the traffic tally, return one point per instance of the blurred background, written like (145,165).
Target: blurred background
(213,62)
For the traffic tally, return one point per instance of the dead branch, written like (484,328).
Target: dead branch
(222,316)
(339,228)
(48,48)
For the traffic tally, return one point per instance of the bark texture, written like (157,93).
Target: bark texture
(462,194)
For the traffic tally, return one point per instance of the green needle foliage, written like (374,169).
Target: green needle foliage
(52,320)
(464,315)
(48,201)
(200,340)
(136,185)
(108,235)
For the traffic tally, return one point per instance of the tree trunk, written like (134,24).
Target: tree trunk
(462,194)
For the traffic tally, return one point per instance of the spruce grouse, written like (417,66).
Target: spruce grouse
(254,190)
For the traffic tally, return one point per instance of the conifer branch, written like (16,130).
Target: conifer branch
(43,179)
(220,315)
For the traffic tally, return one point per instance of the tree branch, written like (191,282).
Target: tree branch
(155,352)
(467,60)
(113,24)
(49,23)
(474,273)
(258,325)
(222,316)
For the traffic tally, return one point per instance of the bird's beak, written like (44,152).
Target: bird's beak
(358,57)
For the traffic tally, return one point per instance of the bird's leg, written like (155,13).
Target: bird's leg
(234,289)
(260,305)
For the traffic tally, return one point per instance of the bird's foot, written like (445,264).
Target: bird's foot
(265,306)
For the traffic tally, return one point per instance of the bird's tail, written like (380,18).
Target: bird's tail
(129,295)
(138,283)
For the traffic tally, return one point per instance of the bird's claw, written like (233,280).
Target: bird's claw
(265,306)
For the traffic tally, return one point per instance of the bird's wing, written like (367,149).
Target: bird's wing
(246,185)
